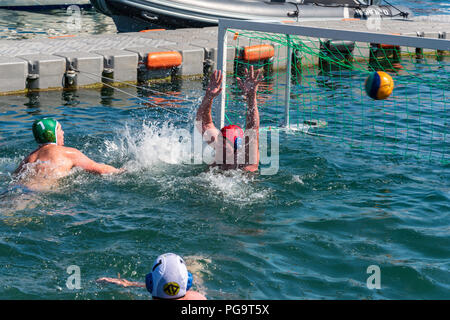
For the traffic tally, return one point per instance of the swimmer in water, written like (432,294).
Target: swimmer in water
(230,143)
(51,161)
(169,279)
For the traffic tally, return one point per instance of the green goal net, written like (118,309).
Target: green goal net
(317,86)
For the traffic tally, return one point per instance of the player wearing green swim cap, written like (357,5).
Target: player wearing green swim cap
(44,130)
(52,160)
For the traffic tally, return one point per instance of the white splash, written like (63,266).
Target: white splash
(153,146)
(163,150)
(297,179)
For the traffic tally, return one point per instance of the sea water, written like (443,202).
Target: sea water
(310,231)
(314,230)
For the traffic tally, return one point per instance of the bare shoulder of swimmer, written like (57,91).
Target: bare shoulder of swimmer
(193,295)
(59,152)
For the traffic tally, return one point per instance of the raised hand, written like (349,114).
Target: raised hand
(252,80)
(215,84)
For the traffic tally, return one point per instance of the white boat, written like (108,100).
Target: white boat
(136,15)
(41,4)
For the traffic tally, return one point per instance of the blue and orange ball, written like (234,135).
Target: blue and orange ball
(379,85)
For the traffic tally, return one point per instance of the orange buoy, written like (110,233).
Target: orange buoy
(163,60)
(388,46)
(258,52)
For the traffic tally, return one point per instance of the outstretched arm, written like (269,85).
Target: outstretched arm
(122,282)
(249,88)
(203,119)
(82,161)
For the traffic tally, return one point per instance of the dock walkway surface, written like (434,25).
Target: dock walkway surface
(44,64)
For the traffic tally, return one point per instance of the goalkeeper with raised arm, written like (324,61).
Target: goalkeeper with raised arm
(234,149)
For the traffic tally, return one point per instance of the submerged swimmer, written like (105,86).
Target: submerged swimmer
(52,160)
(169,279)
(234,148)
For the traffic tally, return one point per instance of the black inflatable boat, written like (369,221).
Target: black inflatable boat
(136,15)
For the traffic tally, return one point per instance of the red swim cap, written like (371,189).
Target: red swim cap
(234,134)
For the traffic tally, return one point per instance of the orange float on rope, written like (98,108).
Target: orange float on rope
(397,66)
(161,60)
(150,30)
(63,36)
(388,46)
(258,52)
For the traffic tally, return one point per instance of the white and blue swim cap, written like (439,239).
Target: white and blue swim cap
(169,277)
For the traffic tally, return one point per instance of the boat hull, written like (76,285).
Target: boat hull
(137,15)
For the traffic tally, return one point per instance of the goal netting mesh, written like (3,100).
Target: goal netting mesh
(327,96)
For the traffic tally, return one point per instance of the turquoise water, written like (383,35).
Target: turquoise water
(16,24)
(308,232)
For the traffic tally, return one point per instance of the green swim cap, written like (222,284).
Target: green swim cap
(44,130)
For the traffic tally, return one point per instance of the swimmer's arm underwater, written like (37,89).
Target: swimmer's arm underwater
(190,295)
(204,122)
(22,163)
(82,161)
(20,167)
(122,282)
